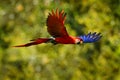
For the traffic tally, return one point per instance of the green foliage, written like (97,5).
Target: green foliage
(22,20)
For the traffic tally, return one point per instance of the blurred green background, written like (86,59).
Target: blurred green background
(23,20)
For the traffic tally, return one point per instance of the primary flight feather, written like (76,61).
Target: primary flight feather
(55,24)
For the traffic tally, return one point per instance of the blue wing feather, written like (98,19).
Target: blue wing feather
(90,37)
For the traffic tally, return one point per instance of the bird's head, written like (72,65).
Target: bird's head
(78,41)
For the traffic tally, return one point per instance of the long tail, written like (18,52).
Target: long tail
(34,42)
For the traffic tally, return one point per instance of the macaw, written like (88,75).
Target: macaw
(56,28)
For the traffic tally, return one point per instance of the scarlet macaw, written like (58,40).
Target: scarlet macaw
(56,28)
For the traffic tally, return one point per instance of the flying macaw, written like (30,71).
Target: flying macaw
(56,28)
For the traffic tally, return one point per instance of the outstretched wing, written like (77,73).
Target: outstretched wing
(90,37)
(55,23)
(34,42)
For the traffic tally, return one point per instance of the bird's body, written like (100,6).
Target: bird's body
(56,28)
(67,40)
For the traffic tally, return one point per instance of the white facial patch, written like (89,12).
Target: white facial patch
(77,41)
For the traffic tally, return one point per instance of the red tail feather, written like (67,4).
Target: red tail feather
(35,42)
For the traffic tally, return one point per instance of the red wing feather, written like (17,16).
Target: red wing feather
(34,42)
(55,24)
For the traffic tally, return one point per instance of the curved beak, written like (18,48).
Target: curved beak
(81,42)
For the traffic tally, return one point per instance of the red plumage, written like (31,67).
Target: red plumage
(56,28)
(55,24)
(34,42)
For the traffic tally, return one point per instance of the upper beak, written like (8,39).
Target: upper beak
(81,42)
